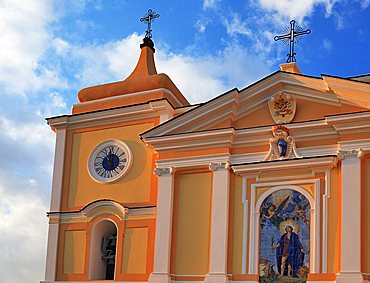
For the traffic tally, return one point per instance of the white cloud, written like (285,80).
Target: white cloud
(295,9)
(198,77)
(236,26)
(365,4)
(26,142)
(327,44)
(210,4)
(106,62)
(201,25)
(57,101)
(61,46)
(24,40)
(23,229)
(27,133)
(204,77)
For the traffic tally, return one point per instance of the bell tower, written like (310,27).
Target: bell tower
(104,193)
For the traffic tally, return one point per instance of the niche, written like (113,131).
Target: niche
(103,251)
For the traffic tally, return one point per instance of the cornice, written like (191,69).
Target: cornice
(216,138)
(308,87)
(150,109)
(186,118)
(193,161)
(259,136)
(59,122)
(89,212)
(355,92)
(351,144)
(287,164)
(350,123)
(236,104)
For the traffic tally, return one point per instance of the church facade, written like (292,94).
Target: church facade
(270,183)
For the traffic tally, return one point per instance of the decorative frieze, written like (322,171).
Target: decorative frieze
(352,153)
(214,166)
(163,171)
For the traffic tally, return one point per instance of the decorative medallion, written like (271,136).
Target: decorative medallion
(282,108)
(282,145)
(109,161)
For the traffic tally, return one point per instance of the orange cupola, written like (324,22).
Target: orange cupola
(142,85)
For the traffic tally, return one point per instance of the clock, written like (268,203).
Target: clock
(109,161)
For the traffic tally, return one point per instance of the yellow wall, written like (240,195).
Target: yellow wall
(132,188)
(192,223)
(135,250)
(238,227)
(334,223)
(74,251)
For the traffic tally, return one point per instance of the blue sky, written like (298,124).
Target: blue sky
(51,49)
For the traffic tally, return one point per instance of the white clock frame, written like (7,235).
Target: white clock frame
(91,167)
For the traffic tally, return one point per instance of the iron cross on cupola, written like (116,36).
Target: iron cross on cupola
(292,36)
(148,19)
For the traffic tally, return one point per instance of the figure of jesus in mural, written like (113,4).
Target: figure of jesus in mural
(289,253)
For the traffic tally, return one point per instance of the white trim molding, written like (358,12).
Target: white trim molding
(350,266)
(325,200)
(56,197)
(219,223)
(163,229)
(245,224)
(192,161)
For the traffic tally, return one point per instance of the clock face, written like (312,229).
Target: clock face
(109,161)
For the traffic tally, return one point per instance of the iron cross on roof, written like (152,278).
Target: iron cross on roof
(292,36)
(148,19)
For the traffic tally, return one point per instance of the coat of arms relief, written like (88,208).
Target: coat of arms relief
(282,108)
(282,145)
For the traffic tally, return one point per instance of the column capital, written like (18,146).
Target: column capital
(221,165)
(164,171)
(351,153)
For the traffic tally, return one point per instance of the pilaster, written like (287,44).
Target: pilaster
(219,225)
(162,250)
(56,195)
(350,270)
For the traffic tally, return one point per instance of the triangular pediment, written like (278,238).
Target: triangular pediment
(315,98)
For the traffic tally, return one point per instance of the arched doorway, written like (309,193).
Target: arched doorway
(284,225)
(103,251)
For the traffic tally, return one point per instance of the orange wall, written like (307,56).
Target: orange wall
(135,249)
(137,187)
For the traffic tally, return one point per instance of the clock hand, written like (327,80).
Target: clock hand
(111,156)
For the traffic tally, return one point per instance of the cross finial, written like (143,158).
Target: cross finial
(292,36)
(148,19)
